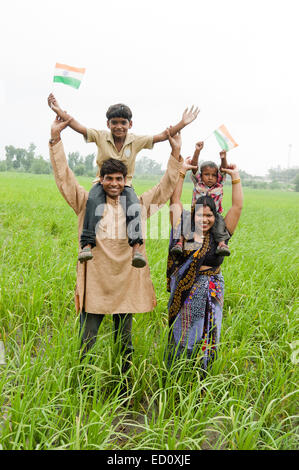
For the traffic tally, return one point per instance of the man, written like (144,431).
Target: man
(108,284)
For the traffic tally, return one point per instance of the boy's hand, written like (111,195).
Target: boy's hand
(53,103)
(199,146)
(189,116)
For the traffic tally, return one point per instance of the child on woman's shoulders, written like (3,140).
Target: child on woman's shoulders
(208,181)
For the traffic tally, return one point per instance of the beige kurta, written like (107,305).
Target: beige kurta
(113,285)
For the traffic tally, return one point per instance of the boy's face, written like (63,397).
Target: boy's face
(209,176)
(119,126)
(113,184)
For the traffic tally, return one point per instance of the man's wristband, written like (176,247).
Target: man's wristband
(236,181)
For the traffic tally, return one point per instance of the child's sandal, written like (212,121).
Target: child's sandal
(138,260)
(177,249)
(85,255)
(223,251)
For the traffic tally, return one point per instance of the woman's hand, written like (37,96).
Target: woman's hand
(187,165)
(231,170)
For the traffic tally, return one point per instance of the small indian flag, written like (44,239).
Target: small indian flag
(68,75)
(224,138)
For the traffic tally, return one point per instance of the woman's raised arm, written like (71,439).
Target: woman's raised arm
(234,213)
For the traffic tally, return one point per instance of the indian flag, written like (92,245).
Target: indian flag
(68,75)
(224,138)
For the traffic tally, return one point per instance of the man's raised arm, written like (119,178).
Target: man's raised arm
(72,123)
(74,194)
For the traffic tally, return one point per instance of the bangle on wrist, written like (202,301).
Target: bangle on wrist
(182,174)
(238,180)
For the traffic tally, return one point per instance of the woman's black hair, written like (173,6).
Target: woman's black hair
(119,111)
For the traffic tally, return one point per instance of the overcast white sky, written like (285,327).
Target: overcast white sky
(237,60)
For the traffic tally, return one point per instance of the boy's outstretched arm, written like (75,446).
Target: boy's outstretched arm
(75,125)
(187,118)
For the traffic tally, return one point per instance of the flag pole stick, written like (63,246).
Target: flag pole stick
(208,136)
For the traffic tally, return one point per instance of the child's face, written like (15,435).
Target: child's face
(119,126)
(209,176)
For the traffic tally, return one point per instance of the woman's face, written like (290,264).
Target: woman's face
(204,219)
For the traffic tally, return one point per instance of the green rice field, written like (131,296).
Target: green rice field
(51,400)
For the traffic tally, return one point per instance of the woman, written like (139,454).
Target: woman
(194,278)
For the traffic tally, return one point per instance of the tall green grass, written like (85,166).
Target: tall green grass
(51,400)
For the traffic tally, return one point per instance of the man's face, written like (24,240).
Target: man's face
(119,127)
(113,184)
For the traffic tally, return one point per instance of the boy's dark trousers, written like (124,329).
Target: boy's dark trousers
(94,212)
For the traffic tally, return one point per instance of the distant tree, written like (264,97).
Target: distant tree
(79,169)
(40,166)
(74,159)
(147,166)
(3,165)
(283,175)
(10,155)
(88,163)
(29,157)
(296,181)
(19,158)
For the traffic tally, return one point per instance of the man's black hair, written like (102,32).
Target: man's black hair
(119,111)
(111,166)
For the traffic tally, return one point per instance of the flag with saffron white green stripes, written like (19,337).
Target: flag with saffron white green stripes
(68,75)
(224,138)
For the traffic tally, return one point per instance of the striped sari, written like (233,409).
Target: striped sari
(195,304)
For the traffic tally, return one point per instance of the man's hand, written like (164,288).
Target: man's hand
(222,154)
(199,146)
(58,126)
(189,116)
(175,142)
